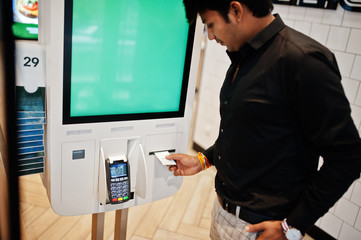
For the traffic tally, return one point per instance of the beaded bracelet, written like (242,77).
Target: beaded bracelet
(204,161)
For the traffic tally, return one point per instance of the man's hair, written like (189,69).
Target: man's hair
(259,8)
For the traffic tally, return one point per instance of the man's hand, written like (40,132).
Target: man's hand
(271,230)
(186,165)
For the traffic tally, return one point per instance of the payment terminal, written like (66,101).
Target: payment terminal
(118,180)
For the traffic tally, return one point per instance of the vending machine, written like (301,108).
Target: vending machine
(120,82)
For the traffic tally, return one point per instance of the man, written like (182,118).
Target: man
(282,106)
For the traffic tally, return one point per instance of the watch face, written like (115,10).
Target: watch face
(293,234)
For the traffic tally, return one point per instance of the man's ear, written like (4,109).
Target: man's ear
(236,10)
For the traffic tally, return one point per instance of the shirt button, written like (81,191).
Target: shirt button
(219,158)
(222,130)
(225,102)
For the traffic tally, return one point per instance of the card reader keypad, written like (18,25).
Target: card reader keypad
(119,189)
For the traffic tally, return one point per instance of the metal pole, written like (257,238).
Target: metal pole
(98,226)
(120,226)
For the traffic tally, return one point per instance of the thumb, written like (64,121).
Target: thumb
(255,227)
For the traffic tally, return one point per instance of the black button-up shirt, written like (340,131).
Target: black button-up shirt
(284,109)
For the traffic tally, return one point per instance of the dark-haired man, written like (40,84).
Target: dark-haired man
(282,106)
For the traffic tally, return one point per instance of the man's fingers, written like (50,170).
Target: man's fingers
(176,171)
(172,168)
(175,156)
(255,227)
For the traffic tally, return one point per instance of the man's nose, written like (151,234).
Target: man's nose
(211,35)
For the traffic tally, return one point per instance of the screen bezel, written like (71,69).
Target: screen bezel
(68,119)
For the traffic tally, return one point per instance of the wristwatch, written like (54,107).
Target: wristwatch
(290,232)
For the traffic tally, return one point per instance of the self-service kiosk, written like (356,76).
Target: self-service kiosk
(120,83)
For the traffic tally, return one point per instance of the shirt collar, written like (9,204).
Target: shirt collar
(259,40)
(267,33)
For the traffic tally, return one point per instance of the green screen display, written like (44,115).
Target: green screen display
(124,57)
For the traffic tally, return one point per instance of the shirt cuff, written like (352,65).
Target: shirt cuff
(302,219)
(209,154)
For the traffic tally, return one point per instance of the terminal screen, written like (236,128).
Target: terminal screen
(118,170)
(125,60)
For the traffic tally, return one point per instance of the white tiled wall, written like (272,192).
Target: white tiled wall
(215,65)
(340,31)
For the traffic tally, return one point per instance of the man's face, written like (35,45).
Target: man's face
(218,29)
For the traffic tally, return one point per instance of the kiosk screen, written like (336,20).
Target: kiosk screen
(125,60)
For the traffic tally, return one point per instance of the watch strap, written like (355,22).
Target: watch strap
(290,231)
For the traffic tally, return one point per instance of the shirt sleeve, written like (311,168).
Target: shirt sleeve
(324,115)
(209,154)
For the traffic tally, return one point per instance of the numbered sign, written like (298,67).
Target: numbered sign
(31,61)
(31,117)
(30,65)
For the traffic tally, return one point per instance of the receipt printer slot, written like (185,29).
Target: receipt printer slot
(170,151)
